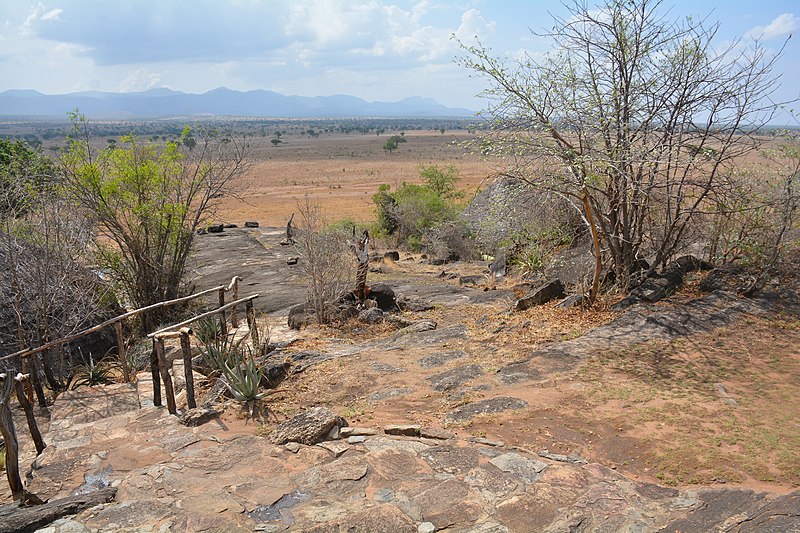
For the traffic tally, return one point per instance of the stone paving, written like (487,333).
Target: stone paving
(174,478)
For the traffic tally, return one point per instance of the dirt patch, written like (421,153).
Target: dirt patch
(342,172)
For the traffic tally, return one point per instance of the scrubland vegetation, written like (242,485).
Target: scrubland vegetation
(624,160)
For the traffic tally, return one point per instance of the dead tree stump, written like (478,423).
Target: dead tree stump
(361,249)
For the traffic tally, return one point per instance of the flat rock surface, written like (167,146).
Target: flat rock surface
(176,478)
(450,371)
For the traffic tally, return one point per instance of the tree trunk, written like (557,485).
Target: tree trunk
(10,437)
(33,427)
(598,262)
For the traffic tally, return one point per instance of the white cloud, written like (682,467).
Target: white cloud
(782,25)
(39,12)
(140,80)
(53,14)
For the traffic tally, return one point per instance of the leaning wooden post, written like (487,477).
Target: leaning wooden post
(154,372)
(33,427)
(123,357)
(165,377)
(251,323)
(10,437)
(223,325)
(186,349)
(234,315)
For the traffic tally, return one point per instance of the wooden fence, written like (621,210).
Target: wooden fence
(159,367)
(10,382)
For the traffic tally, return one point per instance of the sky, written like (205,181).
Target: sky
(378,50)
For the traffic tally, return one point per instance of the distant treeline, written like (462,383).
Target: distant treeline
(37,131)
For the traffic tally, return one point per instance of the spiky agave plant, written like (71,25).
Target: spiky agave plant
(93,373)
(243,380)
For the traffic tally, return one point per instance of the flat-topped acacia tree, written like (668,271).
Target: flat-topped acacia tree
(635,119)
(147,200)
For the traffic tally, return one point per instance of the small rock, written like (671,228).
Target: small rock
(292,260)
(337,448)
(426,527)
(407,430)
(436,433)
(356,439)
(547,292)
(251,224)
(348,431)
(371,316)
(300,315)
(216,228)
(454,378)
(309,427)
(293,447)
(573,300)
(487,442)
(198,416)
(491,405)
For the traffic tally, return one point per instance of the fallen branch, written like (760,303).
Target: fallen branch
(14,518)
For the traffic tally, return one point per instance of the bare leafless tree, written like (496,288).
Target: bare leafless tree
(323,258)
(49,291)
(635,119)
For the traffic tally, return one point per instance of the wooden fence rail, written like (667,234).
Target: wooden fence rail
(233,286)
(160,368)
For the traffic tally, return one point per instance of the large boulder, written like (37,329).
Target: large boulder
(547,292)
(660,286)
(384,296)
(300,316)
(309,427)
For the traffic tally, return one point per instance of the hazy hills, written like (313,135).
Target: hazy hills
(221,101)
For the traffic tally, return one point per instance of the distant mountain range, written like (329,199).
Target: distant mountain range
(219,102)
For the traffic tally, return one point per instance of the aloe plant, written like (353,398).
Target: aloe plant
(243,379)
(94,373)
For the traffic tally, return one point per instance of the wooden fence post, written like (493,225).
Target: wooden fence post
(251,323)
(186,348)
(156,375)
(123,357)
(10,437)
(169,391)
(223,324)
(234,315)
(33,427)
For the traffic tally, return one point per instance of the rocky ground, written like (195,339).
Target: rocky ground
(544,420)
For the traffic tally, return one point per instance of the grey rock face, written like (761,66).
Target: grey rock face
(441,358)
(527,470)
(198,416)
(371,316)
(492,405)
(455,377)
(309,427)
(547,292)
